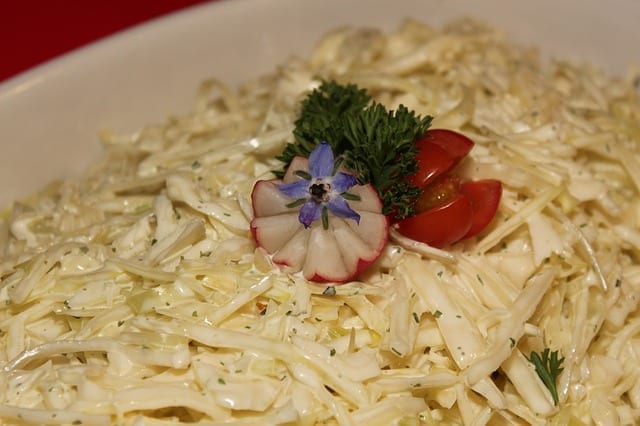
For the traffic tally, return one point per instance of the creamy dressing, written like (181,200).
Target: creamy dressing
(136,292)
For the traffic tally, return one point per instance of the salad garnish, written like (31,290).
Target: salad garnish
(448,209)
(322,190)
(548,366)
(350,235)
(377,145)
(350,155)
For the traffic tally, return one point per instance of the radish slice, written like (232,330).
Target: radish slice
(336,254)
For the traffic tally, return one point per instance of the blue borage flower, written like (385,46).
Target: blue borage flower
(322,190)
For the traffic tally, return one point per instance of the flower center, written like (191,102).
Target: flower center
(320,192)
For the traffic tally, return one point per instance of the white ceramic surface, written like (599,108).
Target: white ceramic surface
(50,115)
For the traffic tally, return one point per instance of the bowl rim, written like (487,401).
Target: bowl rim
(50,114)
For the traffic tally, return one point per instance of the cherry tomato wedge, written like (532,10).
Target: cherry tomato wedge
(439,192)
(438,152)
(456,144)
(448,210)
(442,225)
(432,160)
(484,196)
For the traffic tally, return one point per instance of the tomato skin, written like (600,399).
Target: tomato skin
(432,160)
(442,225)
(456,144)
(438,152)
(448,210)
(484,196)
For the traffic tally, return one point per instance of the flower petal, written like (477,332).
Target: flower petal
(339,207)
(298,189)
(321,161)
(309,212)
(341,182)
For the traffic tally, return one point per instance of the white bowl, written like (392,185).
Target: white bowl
(49,116)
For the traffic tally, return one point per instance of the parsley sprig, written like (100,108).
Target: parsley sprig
(376,144)
(548,367)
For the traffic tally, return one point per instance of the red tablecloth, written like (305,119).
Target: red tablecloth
(33,31)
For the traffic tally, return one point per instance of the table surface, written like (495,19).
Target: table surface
(34,31)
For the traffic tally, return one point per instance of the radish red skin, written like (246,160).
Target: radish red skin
(361,267)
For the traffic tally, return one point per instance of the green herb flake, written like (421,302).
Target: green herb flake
(332,352)
(548,366)
(221,381)
(416,318)
(437,314)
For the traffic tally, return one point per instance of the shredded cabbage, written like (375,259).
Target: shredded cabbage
(135,294)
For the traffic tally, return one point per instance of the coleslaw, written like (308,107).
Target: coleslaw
(135,294)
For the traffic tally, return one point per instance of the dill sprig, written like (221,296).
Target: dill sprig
(376,144)
(548,367)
